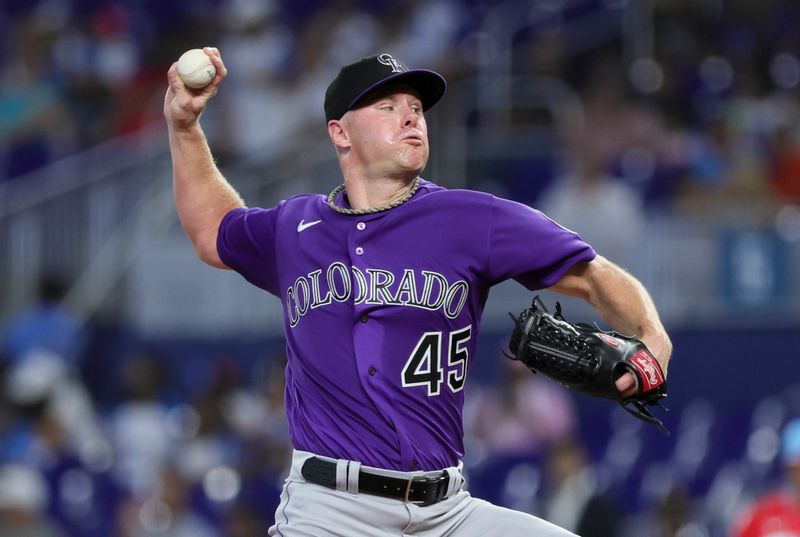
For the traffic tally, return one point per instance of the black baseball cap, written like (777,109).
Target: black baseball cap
(356,80)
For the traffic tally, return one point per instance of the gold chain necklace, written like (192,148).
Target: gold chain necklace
(372,210)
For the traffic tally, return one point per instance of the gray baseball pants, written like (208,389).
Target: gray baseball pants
(309,510)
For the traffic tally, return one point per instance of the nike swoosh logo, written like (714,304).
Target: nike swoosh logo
(303,226)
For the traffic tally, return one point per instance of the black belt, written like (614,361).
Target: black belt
(423,490)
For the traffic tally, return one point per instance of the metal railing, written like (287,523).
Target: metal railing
(87,219)
(54,220)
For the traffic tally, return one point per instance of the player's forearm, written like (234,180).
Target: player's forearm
(202,195)
(624,303)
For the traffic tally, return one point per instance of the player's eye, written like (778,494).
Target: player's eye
(387,107)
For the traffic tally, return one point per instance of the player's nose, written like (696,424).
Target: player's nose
(411,116)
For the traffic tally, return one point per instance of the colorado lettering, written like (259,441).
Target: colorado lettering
(339,283)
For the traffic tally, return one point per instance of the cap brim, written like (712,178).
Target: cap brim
(429,84)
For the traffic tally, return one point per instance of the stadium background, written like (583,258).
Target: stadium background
(141,390)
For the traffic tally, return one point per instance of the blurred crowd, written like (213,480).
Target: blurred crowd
(147,455)
(696,100)
(77,73)
(138,440)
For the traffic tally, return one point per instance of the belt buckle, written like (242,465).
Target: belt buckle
(427,480)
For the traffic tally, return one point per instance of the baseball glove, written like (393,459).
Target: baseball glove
(588,360)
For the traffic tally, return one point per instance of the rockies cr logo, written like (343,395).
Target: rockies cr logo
(387,59)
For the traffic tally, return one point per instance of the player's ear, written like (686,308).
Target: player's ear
(337,131)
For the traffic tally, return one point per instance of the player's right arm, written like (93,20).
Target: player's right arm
(202,195)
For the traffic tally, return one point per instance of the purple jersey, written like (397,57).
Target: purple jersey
(381,311)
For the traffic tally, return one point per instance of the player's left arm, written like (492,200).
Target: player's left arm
(623,302)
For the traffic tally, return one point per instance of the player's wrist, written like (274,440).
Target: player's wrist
(188,130)
(660,346)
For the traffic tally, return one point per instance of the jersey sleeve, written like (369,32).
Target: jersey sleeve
(528,246)
(246,243)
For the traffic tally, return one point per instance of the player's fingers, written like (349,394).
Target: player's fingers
(213,54)
(219,65)
(210,93)
(626,385)
(187,97)
(174,87)
(174,80)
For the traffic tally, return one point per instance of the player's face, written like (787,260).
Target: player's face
(388,134)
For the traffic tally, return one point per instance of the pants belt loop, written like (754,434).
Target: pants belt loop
(456,480)
(352,476)
(341,474)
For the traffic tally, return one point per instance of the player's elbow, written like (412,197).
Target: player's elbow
(206,251)
(583,280)
(211,260)
(596,277)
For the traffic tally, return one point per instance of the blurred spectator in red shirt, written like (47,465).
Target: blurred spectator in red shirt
(786,165)
(778,513)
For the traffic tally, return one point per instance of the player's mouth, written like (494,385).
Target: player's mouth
(413,139)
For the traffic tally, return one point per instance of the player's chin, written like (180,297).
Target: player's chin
(413,168)
(414,160)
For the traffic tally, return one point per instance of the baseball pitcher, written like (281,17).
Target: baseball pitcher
(383,282)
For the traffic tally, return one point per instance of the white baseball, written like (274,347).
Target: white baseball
(195,68)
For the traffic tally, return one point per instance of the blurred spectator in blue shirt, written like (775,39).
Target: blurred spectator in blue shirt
(45,325)
(31,101)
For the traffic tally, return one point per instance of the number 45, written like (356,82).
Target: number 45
(424,366)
